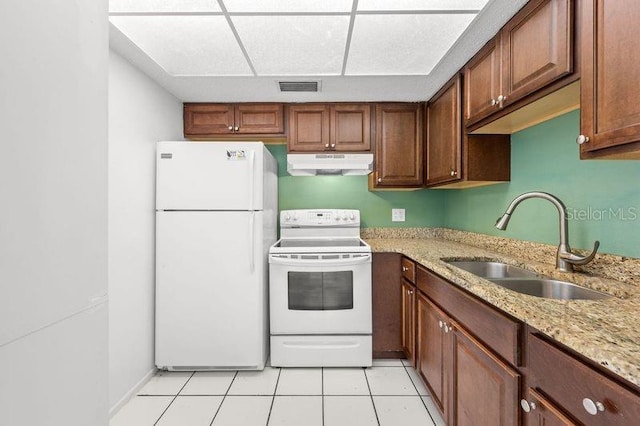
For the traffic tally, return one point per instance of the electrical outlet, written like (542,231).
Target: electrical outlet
(397,215)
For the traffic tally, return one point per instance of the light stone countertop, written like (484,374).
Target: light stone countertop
(605,331)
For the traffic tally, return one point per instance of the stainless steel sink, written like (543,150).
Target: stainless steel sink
(527,282)
(490,270)
(551,289)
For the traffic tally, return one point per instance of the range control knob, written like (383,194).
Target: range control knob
(352,216)
(287,217)
(295,217)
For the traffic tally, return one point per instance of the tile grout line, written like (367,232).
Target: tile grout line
(375,411)
(420,396)
(174,398)
(322,391)
(274,395)
(224,397)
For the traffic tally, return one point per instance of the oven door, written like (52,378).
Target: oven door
(328,293)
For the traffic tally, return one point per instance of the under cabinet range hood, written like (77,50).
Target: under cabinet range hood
(329,164)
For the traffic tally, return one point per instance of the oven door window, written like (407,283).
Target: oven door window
(320,291)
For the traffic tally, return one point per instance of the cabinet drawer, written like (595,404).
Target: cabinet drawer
(495,329)
(568,381)
(409,269)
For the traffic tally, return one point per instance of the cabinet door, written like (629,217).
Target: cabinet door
(444,135)
(610,74)
(399,150)
(408,320)
(351,127)
(308,128)
(208,119)
(259,118)
(482,83)
(483,386)
(543,412)
(431,357)
(537,47)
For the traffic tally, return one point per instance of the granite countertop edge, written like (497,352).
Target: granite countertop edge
(605,331)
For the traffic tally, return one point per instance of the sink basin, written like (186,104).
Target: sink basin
(527,282)
(490,270)
(551,289)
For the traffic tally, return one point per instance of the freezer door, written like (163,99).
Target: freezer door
(209,176)
(211,297)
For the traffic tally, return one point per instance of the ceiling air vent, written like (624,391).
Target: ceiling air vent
(299,86)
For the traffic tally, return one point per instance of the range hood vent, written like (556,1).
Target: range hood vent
(299,86)
(329,164)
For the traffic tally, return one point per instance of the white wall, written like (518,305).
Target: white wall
(53,212)
(140,114)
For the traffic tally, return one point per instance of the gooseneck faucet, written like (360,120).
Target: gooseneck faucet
(564,258)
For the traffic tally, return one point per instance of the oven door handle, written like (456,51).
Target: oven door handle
(275,259)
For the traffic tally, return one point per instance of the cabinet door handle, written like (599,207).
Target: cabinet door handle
(527,406)
(405,269)
(591,407)
(410,291)
(582,139)
(326,145)
(493,102)
(231,128)
(379,180)
(236,128)
(440,324)
(453,173)
(333,145)
(501,99)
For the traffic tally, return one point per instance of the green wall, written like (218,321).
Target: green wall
(423,207)
(602,196)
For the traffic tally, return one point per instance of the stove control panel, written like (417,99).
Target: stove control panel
(319,218)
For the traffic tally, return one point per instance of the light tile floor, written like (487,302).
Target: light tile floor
(387,394)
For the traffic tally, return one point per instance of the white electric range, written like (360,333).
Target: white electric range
(320,291)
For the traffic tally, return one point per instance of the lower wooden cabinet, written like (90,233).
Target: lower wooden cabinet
(456,366)
(408,320)
(538,410)
(431,347)
(387,305)
(483,388)
(577,388)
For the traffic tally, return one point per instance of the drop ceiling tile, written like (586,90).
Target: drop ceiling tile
(402,44)
(294,45)
(186,45)
(234,6)
(367,5)
(139,6)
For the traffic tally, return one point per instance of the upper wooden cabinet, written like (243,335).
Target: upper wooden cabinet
(329,127)
(202,120)
(457,160)
(610,74)
(444,134)
(398,146)
(532,50)
(482,82)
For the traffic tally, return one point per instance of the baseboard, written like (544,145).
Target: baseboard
(134,390)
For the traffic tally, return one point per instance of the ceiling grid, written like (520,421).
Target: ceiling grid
(210,43)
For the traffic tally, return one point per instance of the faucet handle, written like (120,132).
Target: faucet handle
(576,259)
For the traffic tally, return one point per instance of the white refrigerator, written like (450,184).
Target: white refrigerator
(216,213)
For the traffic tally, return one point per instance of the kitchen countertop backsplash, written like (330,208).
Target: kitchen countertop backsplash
(605,331)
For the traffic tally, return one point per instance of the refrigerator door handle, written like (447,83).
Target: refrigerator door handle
(252,242)
(252,160)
